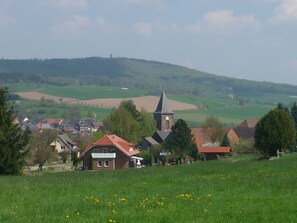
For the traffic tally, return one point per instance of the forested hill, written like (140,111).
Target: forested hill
(124,72)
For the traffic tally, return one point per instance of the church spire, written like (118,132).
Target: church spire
(163,105)
(163,115)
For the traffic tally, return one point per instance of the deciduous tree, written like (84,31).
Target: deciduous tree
(275,131)
(128,123)
(13,140)
(40,144)
(213,128)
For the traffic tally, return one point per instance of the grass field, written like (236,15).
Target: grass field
(231,115)
(237,189)
(80,92)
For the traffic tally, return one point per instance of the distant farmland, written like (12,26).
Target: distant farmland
(149,103)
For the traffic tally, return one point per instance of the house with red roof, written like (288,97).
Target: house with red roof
(109,153)
(208,151)
(211,153)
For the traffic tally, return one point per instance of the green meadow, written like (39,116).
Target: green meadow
(80,92)
(236,189)
(230,115)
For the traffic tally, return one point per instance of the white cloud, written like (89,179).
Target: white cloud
(143,28)
(287,10)
(156,4)
(222,21)
(69,4)
(77,23)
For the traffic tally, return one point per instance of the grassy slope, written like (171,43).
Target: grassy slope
(236,190)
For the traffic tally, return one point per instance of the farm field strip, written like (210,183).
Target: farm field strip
(149,103)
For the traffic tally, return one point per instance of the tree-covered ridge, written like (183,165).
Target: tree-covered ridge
(135,73)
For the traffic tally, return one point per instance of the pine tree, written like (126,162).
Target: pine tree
(180,141)
(294,116)
(13,139)
(225,141)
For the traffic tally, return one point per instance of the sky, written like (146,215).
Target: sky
(246,39)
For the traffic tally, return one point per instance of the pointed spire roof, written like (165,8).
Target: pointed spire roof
(163,105)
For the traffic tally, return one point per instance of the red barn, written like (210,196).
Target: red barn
(211,153)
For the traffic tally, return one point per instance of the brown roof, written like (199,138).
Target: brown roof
(244,132)
(220,149)
(199,136)
(113,140)
(249,123)
(52,121)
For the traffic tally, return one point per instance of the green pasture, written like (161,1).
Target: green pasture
(209,102)
(92,92)
(230,115)
(80,92)
(236,189)
(23,87)
(55,110)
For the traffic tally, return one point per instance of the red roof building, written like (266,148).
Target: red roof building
(210,153)
(199,136)
(109,153)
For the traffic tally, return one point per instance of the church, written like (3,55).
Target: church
(164,117)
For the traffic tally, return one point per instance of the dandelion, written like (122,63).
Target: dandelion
(110,204)
(184,196)
(122,200)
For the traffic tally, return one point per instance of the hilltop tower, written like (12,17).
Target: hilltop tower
(163,115)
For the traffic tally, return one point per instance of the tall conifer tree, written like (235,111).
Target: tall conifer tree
(13,139)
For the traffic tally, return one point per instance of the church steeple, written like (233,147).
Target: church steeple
(163,115)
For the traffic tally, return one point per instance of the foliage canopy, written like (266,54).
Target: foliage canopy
(128,123)
(180,141)
(214,129)
(40,143)
(275,131)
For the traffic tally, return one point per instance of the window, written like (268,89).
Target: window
(106,163)
(97,151)
(62,147)
(99,163)
(167,124)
